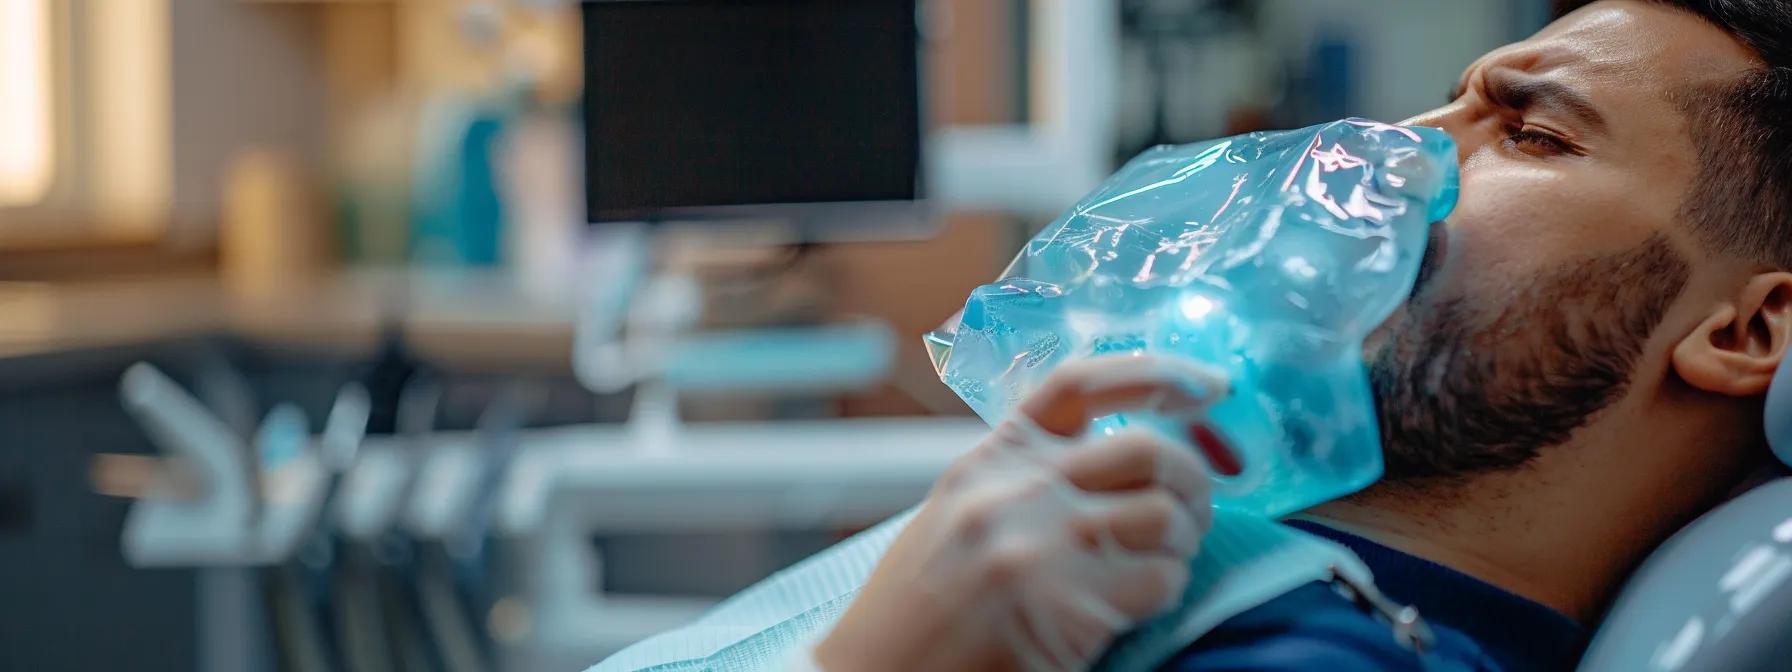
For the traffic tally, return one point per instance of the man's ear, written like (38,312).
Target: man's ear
(1738,348)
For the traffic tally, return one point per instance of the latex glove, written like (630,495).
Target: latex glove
(1040,546)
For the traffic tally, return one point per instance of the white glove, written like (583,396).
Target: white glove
(1040,546)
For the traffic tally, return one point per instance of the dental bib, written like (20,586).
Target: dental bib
(1269,255)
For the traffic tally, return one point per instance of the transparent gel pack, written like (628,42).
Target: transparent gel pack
(1270,256)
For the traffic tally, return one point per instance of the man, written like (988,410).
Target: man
(1579,373)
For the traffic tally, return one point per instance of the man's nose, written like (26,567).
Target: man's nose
(1452,119)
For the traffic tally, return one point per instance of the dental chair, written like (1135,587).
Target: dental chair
(1717,597)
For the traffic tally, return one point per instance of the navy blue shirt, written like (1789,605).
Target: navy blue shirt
(1478,626)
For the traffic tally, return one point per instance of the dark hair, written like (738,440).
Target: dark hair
(1741,201)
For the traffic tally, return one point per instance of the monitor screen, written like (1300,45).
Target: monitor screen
(704,103)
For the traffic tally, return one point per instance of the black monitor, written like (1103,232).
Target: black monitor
(723,108)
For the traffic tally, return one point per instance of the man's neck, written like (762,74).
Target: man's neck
(1461,538)
(1562,535)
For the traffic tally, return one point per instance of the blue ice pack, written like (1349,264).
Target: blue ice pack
(1269,255)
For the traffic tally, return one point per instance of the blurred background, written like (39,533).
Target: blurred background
(499,334)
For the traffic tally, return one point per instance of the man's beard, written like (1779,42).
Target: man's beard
(1466,386)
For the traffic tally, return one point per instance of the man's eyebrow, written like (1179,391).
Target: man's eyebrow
(1521,92)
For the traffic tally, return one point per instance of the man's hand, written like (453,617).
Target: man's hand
(1040,546)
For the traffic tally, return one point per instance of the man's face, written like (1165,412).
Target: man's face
(1566,245)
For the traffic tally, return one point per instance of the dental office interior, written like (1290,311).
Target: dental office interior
(503,334)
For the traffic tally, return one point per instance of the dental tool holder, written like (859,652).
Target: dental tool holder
(244,516)
(241,516)
(229,523)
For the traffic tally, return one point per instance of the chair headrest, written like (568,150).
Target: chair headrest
(1779,413)
(1714,598)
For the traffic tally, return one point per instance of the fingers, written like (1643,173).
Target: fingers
(1152,521)
(1142,586)
(1066,625)
(1066,628)
(1134,460)
(1080,391)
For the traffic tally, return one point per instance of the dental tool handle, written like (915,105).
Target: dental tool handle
(345,427)
(181,425)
